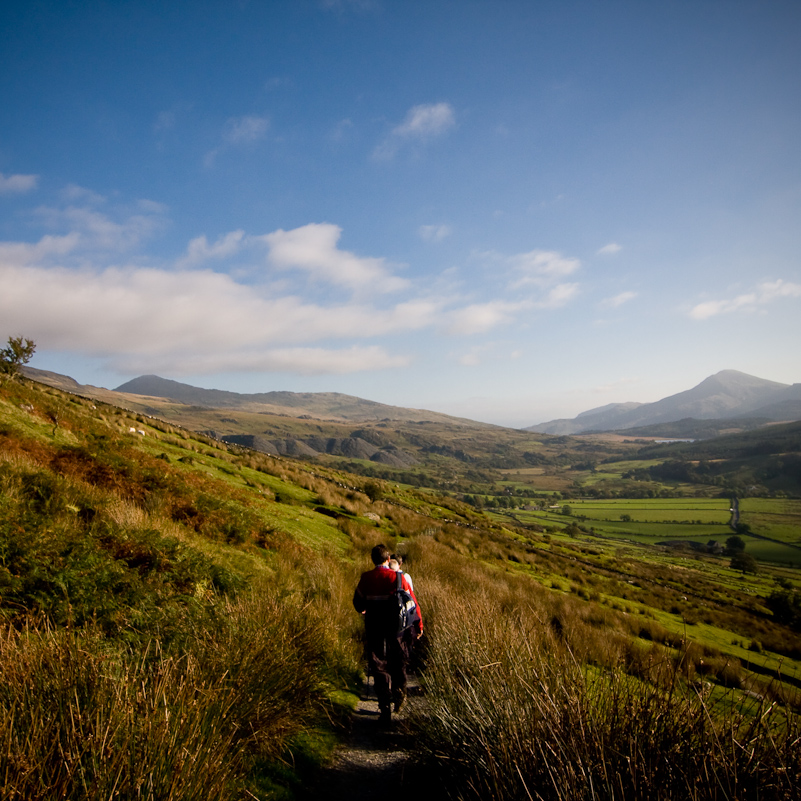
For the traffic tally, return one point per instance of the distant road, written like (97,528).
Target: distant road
(735,513)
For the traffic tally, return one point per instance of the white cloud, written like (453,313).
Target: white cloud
(200,250)
(610,249)
(145,320)
(79,194)
(536,277)
(421,123)
(244,130)
(151,311)
(17,183)
(99,231)
(69,292)
(298,361)
(313,248)
(558,296)
(426,120)
(540,267)
(762,295)
(618,300)
(478,318)
(434,233)
(21,253)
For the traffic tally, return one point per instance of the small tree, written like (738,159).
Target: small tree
(373,490)
(735,544)
(785,603)
(743,562)
(18,352)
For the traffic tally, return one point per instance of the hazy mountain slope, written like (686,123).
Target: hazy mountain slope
(325,405)
(728,393)
(150,393)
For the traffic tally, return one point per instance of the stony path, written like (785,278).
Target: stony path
(372,761)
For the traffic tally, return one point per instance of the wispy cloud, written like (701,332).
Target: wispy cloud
(558,296)
(474,356)
(762,295)
(478,318)
(539,267)
(421,123)
(239,132)
(536,277)
(434,233)
(199,250)
(618,300)
(610,249)
(426,120)
(297,361)
(342,130)
(100,231)
(13,184)
(88,232)
(73,193)
(244,130)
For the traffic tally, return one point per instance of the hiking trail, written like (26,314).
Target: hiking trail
(372,761)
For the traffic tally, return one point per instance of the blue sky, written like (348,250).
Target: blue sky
(509,211)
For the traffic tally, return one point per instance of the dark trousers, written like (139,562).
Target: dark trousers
(387,660)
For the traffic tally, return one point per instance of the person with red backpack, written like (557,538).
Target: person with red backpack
(392,623)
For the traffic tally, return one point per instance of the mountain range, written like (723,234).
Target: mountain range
(740,400)
(331,406)
(727,395)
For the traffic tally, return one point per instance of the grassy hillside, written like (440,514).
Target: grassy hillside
(176,616)
(466,458)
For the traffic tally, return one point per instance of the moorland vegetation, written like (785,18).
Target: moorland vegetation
(175,617)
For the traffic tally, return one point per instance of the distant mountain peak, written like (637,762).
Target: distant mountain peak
(728,393)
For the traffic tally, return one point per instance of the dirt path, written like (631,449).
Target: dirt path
(373,761)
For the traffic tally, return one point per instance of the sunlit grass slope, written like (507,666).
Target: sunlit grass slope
(176,624)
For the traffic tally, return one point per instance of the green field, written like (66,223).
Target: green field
(775,522)
(777,518)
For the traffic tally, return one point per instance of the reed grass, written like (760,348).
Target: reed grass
(84,718)
(515,712)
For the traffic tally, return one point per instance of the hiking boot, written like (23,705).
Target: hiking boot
(400,697)
(385,718)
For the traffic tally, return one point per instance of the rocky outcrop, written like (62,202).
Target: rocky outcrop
(348,447)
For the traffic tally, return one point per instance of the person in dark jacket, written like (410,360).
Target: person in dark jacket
(387,649)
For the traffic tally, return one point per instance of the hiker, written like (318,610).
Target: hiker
(396,563)
(387,648)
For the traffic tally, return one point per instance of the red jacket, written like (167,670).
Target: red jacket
(376,587)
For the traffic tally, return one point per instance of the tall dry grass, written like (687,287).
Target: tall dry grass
(514,712)
(83,718)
